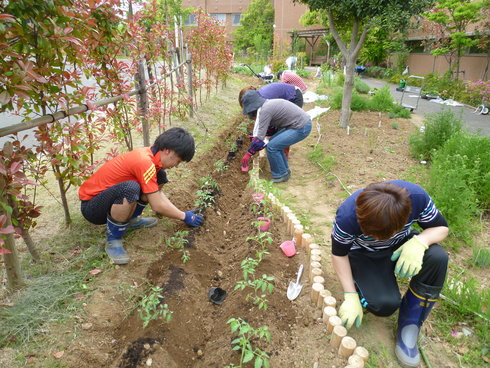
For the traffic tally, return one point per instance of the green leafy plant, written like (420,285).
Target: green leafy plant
(178,241)
(260,286)
(247,337)
(151,307)
(263,238)
(220,166)
(438,128)
(205,195)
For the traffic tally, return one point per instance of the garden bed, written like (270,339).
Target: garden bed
(198,334)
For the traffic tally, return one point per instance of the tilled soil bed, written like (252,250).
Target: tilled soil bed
(198,334)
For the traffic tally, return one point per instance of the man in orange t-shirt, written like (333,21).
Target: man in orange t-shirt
(119,190)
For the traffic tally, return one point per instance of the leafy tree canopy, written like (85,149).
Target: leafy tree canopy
(256,30)
(392,13)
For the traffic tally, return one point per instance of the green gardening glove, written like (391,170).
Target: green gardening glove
(410,256)
(351,310)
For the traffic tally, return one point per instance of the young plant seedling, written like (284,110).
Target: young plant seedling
(259,285)
(220,166)
(247,336)
(151,307)
(177,241)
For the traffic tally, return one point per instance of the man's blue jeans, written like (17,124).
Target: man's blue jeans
(275,148)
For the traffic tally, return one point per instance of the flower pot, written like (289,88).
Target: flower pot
(258,197)
(217,295)
(264,223)
(288,248)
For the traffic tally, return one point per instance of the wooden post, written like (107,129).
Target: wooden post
(315,292)
(143,102)
(315,272)
(362,352)
(306,240)
(312,246)
(347,346)
(356,361)
(188,61)
(323,294)
(338,333)
(315,258)
(318,280)
(332,322)
(330,301)
(298,234)
(327,313)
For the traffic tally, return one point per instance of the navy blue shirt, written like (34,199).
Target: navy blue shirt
(347,235)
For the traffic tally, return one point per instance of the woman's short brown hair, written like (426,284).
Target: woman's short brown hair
(242,92)
(382,210)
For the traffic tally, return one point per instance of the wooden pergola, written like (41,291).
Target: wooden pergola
(311,36)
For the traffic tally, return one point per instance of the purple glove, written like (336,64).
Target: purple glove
(245,161)
(193,219)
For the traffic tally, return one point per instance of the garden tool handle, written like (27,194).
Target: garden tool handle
(300,273)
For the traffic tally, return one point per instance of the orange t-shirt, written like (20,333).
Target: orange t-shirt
(139,165)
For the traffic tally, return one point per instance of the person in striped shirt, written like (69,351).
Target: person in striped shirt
(373,243)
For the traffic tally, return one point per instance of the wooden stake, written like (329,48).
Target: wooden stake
(298,233)
(324,293)
(315,292)
(315,272)
(332,322)
(327,313)
(285,210)
(356,361)
(294,224)
(362,352)
(312,246)
(347,346)
(338,334)
(315,252)
(290,223)
(330,301)
(319,280)
(315,258)
(306,240)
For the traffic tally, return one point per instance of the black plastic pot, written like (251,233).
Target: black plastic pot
(217,295)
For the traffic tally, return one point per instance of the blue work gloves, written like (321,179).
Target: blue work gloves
(193,219)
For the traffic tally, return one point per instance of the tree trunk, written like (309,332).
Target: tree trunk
(64,201)
(347,94)
(30,245)
(15,280)
(349,55)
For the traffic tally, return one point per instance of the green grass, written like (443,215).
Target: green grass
(480,257)
(49,298)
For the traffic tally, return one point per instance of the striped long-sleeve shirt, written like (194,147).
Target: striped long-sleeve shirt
(347,234)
